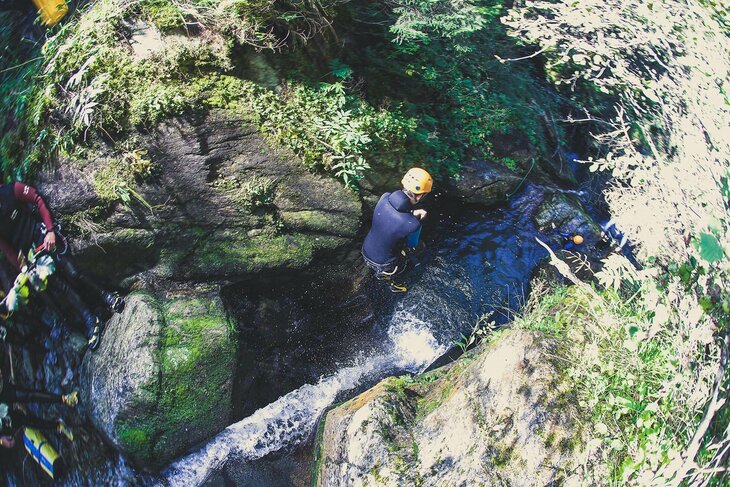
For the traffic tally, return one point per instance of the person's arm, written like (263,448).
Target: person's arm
(28,194)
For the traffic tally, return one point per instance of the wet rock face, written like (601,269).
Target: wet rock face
(225,205)
(162,378)
(485,183)
(568,216)
(499,417)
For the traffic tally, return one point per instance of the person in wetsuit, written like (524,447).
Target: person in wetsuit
(14,416)
(13,420)
(396,227)
(21,208)
(11,394)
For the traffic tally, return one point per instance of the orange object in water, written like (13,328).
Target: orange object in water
(52,11)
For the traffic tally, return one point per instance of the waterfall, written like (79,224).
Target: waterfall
(290,419)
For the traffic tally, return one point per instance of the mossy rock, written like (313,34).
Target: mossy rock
(161,381)
(568,216)
(470,423)
(222,203)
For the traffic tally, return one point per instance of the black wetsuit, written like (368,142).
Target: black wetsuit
(20,209)
(12,420)
(9,425)
(393,222)
(10,394)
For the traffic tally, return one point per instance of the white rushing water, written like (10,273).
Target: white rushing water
(290,419)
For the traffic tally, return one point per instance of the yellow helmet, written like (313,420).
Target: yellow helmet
(417,181)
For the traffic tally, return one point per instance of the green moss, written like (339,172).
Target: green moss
(197,332)
(432,401)
(375,473)
(503,455)
(550,439)
(248,194)
(108,179)
(313,221)
(135,440)
(254,254)
(318,450)
(398,385)
(198,350)
(164,14)
(441,389)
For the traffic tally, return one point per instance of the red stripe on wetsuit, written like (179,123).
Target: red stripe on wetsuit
(26,194)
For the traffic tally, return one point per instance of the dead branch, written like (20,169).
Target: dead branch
(501,60)
(564,269)
(712,408)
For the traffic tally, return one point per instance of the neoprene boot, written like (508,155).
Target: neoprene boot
(113,301)
(94,326)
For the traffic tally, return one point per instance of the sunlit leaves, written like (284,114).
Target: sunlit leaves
(709,248)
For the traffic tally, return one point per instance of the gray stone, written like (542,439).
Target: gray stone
(111,376)
(485,183)
(66,189)
(200,227)
(162,378)
(568,216)
(500,416)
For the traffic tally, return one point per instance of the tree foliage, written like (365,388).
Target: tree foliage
(662,67)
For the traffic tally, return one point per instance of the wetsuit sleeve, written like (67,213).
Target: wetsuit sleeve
(413,238)
(413,225)
(10,254)
(28,194)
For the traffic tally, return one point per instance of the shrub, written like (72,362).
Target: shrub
(662,68)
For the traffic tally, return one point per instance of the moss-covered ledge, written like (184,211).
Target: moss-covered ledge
(501,415)
(173,388)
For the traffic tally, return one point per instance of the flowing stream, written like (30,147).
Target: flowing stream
(478,262)
(291,418)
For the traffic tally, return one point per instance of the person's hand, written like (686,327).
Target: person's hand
(50,241)
(420,214)
(7,441)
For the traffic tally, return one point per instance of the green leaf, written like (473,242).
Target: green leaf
(706,303)
(709,248)
(340,70)
(725,187)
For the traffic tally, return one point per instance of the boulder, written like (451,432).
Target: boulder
(485,183)
(217,202)
(498,416)
(162,378)
(199,203)
(568,216)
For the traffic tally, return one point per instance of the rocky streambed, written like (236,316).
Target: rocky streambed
(249,312)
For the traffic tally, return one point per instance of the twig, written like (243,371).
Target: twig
(21,64)
(521,58)
(564,269)
(715,404)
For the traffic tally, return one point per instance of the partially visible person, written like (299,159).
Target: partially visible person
(396,228)
(13,420)
(11,394)
(25,224)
